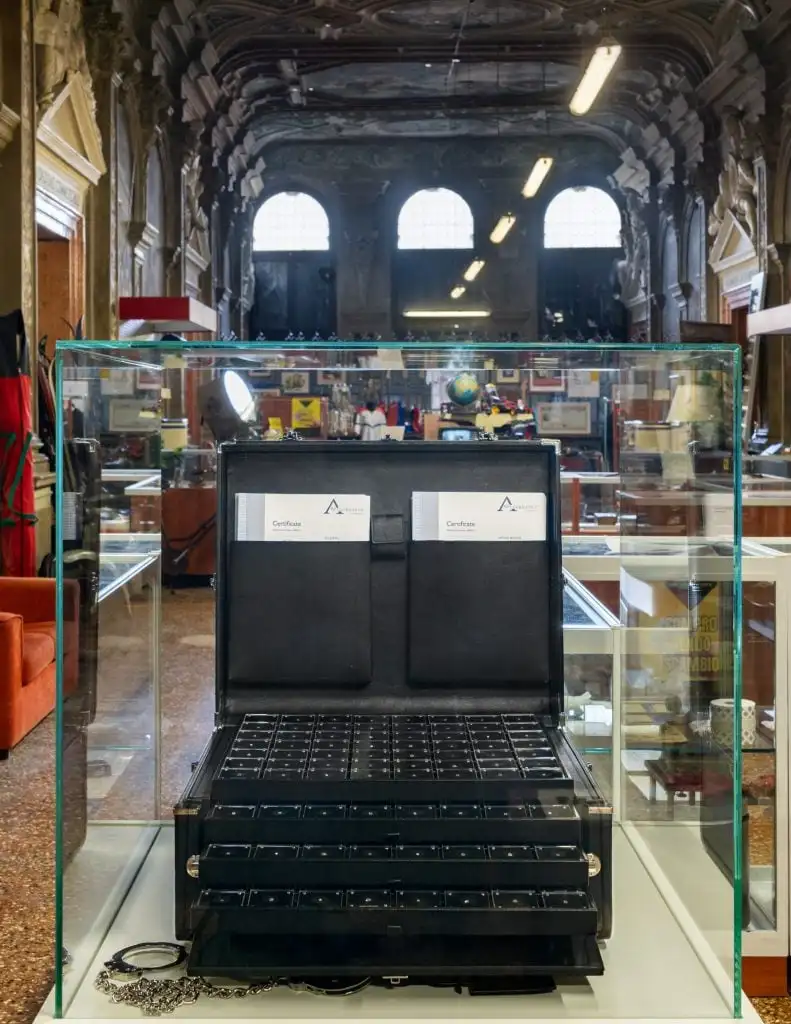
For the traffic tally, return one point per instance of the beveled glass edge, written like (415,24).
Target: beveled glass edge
(58,1009)
(410,346)
(738,880)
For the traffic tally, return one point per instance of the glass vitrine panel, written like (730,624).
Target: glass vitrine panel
(651,667)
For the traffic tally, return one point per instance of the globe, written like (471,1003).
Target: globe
(464,389)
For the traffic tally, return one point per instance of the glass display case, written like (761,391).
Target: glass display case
(766,504)
(590,502)
(653,698)
(116,512)
(607,571)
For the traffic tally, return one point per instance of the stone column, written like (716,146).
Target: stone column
(244,277)
(362,263)
(101,216)
(773,259)
(509,284)
(656,309)
(18,167)
(179,138)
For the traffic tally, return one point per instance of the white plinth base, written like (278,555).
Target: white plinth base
(652,971)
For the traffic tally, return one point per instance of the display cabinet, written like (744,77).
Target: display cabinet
(620,580)
(590,502)
(591,663)
(646,688)
(116,503)
(766,505)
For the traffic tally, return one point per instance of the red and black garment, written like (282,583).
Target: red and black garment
(17,500)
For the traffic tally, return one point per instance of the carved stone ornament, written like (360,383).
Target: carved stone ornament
(60,50)
(248,277)
(9,120)
(632,270)
(196,223)
(737,180)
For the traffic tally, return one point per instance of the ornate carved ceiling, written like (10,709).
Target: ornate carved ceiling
(253,74)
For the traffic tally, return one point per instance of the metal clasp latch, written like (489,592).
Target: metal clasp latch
(594,864)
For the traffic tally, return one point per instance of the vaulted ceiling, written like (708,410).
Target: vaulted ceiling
(313,70)
(400,66)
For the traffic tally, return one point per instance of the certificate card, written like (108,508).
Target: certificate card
(305,518)
(479,516)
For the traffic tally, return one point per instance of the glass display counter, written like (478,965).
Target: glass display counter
(116,506)
(766,505)
(647,683)
(619,579)
(590,502)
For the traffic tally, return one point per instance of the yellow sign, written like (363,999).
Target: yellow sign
(305,413)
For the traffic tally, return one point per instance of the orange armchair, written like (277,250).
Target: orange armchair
(27,653)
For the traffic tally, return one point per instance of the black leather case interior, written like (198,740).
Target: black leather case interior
(387,776)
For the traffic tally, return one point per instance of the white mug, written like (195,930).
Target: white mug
(721,714)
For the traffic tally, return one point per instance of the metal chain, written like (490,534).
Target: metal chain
(155,998)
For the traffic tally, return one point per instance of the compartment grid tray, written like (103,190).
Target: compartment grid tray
(393,912)
(404,748)
(393,824)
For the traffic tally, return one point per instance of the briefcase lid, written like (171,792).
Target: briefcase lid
(389,578)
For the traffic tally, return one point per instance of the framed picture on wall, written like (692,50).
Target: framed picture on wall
(295,382)
(133,416)
(583,384)
(564,419)
(149,378)
(508,376)
(549,380)
(329,377)
(117,381)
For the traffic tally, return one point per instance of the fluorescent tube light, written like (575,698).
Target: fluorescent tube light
(598,71)
(473,270)
(458,291)
(502,227)
(541,169)
(446,314)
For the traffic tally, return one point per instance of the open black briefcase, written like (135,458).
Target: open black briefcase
(387,791)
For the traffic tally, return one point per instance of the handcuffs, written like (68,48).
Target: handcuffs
(120,965)
(158,997)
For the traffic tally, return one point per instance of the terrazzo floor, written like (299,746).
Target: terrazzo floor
(774,1011)
(122,736)
(125,708)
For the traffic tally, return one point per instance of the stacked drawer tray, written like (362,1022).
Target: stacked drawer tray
(369,834)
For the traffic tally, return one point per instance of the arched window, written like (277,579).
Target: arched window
(291,222)
(582,218)
(435,218)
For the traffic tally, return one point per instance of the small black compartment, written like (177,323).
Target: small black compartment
(301,614)
(498,633)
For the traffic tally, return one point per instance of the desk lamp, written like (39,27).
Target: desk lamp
(227,407)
